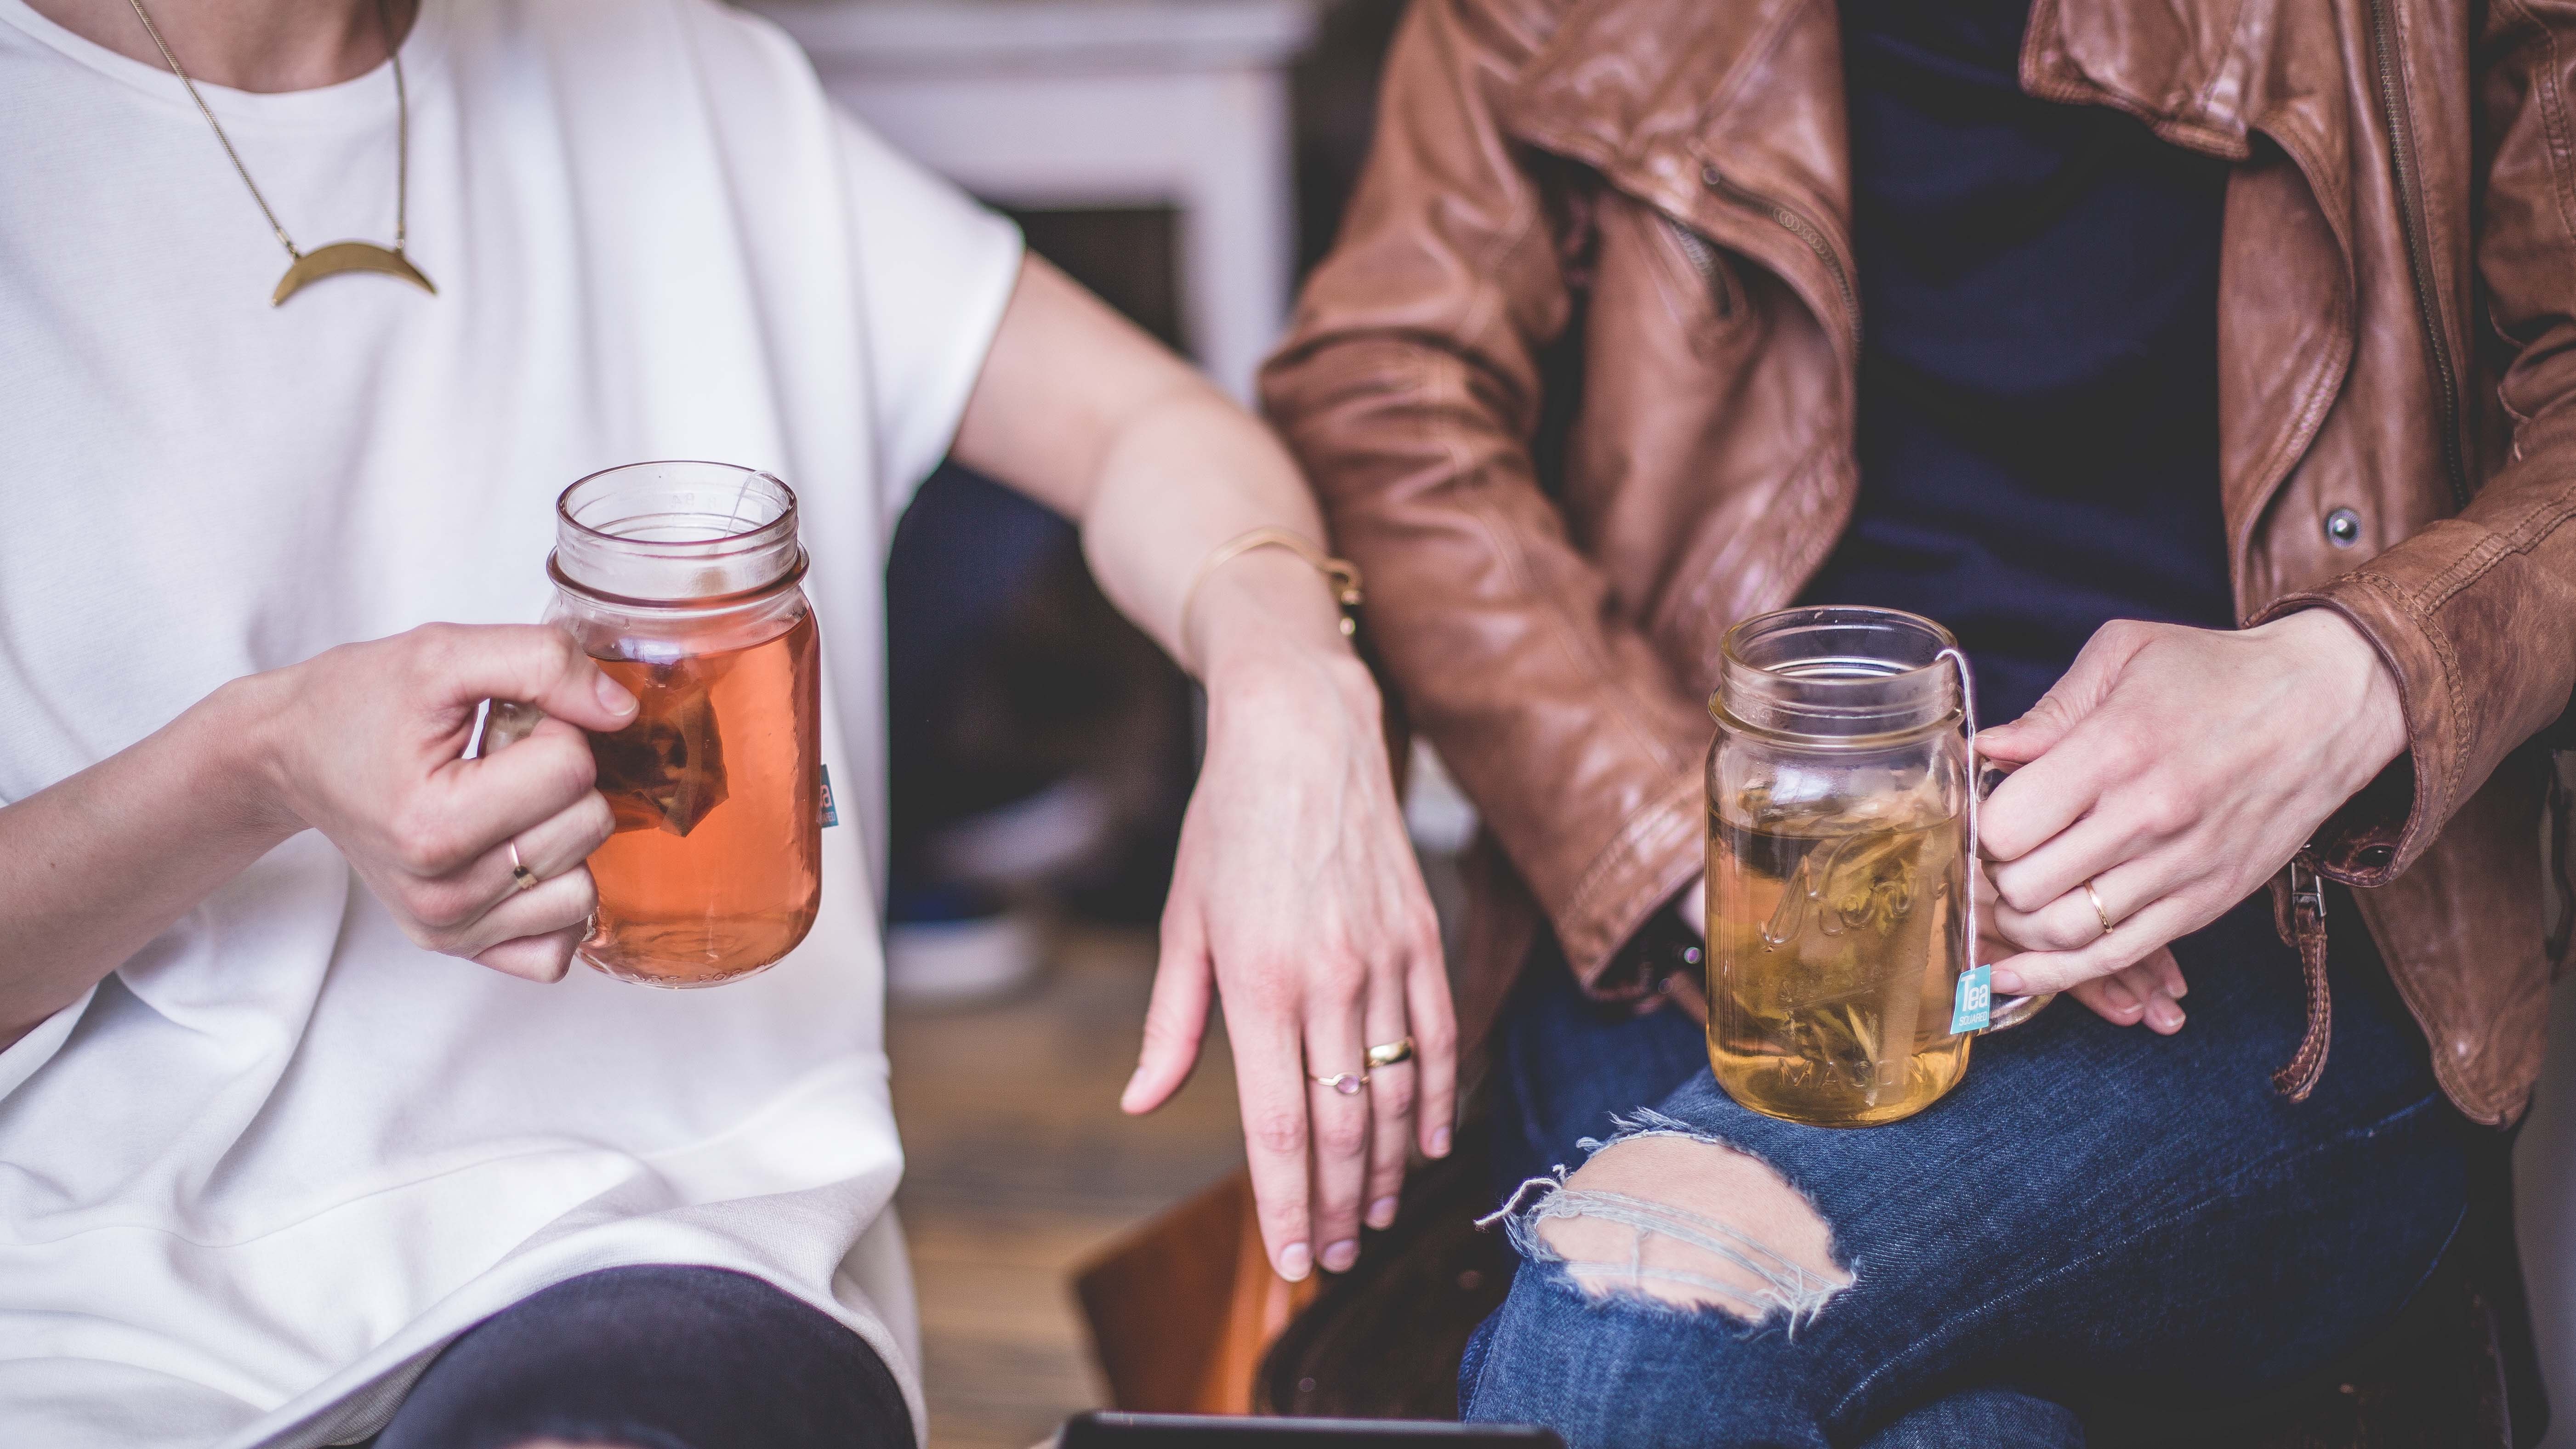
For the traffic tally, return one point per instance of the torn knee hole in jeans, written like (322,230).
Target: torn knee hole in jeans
(1662,1212)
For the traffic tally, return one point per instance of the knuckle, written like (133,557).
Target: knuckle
(2016,889)
(1340,979)
(2119,753)
(2165,809)
(438,907)
(2001,836)
(558,958)
(425,840)
(559,650)
(1273,993)
(1342,1137)
(1277,1131)
(1394,1094)
(1285,1221)
(556,658)
(1435,1039)
(1162,1033)
(573,767)
(2066,935)
(436,650)
(597,822)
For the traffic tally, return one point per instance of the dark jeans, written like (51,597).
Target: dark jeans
(2094,1216)
(656,1357)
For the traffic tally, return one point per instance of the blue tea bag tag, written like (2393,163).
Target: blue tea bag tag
(1976,1004)
(831,812)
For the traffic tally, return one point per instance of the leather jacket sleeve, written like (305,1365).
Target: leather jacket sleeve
(2476,614)
(1410,389)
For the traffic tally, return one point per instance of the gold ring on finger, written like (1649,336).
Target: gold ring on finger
(1391,1053)
(520,876)
(1346,1083)
(2101,912)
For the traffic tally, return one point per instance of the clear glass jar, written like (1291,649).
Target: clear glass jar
(683,580)
(1838,854)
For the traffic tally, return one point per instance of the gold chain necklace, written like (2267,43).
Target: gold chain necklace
(338,257)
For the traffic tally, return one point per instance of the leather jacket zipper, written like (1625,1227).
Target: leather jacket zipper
(1804,230)
(1702,256)
(2419,252)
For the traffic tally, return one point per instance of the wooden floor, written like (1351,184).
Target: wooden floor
(1020,1164)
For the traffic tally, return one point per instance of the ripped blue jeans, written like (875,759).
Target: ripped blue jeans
(2095,1216)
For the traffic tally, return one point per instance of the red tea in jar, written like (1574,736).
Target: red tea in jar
(682,580)
(715,870)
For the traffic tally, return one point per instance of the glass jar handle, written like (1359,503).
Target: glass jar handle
(2008,1011)
(507,721)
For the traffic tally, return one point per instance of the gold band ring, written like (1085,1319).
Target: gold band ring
(520,876)
(1391,1053)
(1346,1083)
(2101,912)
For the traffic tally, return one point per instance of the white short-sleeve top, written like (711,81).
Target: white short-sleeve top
(263,1171)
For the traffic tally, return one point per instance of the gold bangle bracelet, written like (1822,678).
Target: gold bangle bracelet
(1340,574)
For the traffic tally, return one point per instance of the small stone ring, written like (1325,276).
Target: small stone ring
(1346,1083)
(1391,1053)
(520,876)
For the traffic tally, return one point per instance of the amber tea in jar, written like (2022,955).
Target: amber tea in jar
(682,579)
(1838,851)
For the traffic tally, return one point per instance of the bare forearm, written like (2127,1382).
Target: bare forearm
(102,862)
(1185,478)
(1081,411)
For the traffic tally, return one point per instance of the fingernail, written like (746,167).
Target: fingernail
(1340,1256)
(1381,1212)
(2117,996)
(613,696)
(2180,990)
(2164,1014)
(1294,1261)
(2007,982)
(1439,1141)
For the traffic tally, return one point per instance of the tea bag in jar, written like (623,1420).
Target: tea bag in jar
(681,581)
(666,769)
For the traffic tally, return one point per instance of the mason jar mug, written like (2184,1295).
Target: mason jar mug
(682,579)
(1840,838)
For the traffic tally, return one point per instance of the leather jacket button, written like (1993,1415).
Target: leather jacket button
(2343,528)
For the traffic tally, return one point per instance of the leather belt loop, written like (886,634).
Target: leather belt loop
(2299,910)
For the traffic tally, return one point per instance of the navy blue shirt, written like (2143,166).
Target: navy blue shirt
(2038,384)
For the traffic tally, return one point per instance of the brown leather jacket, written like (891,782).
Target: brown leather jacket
(1577,389)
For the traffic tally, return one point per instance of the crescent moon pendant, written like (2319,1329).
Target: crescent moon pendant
(347,256)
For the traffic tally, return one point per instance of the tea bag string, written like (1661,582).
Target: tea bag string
(1968,709)
(741,494)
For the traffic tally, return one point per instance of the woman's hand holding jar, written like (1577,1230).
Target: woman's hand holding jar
(2165,778)
(479,858)
(362,743)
